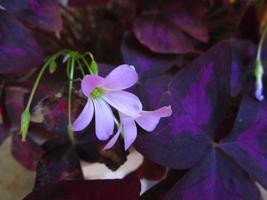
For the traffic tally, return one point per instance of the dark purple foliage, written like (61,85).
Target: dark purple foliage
(14,104)
(216,176)
(16,42)
(42,13)
(170,30)
(16,46)
(26,153)
(247,142)
(200,95)
(214,145)
(127,188)
(60,162)
(151,91)
(147,63)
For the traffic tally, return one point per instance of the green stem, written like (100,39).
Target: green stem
(86,64)
(81,68)
(71,65)
(36,84)
(40,75)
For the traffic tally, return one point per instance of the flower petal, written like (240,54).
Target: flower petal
(122,77)
(113,140)
(90,82)
(129,130)
(150,119)
(104,119)
(85,117)
(125,102)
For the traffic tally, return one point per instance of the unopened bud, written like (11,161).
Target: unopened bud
(25,123)
(52,67)
(259,85)
(94,67)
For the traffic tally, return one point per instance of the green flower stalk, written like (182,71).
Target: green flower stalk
(72,59)
(259,69)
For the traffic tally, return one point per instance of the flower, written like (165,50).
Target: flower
(148,120)
(103,92)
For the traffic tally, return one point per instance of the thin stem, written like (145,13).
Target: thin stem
(52,58)
(70,66)
(86,64)
(90,55)
(36,84)
(81,68)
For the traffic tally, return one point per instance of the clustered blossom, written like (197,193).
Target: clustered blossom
(109,91)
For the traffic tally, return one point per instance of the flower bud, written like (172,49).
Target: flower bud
(25,123)
(94,67)
(259,76)
(52,67)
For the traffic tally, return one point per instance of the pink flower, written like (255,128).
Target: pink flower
(148,120)
(103,92)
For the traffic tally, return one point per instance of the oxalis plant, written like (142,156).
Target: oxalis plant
(101,93)
(169,91)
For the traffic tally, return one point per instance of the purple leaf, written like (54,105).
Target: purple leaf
(215,177)
(43,13)
(26,153)
(161,36)
(147,63)
(151,91)
(14,6)
(199,96)
(16,46)
(60,162)
(187,22)
(247,142)
(128,188)
(14,105)
(171,30)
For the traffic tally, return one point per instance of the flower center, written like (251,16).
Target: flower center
(97,92)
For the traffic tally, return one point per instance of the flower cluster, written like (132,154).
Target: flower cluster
(104,93)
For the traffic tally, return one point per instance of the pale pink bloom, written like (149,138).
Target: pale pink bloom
(148,120)
(105,92)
